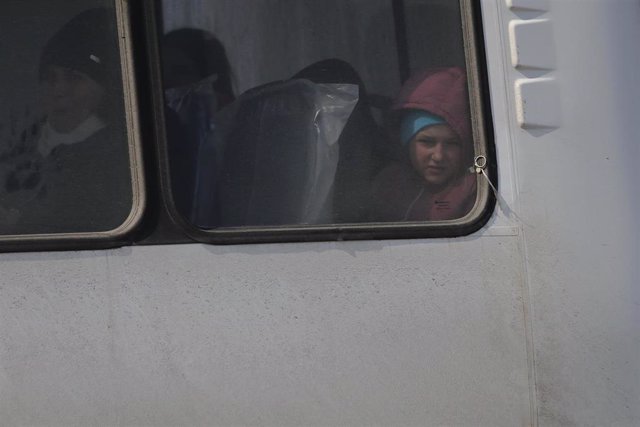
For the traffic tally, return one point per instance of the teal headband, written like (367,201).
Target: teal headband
(414,121)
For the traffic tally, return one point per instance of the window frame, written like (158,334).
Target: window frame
(154,218)
(119,235)
(481,124)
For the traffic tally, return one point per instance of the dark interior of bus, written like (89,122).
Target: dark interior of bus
(356,54)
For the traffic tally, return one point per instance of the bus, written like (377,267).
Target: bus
(241,212)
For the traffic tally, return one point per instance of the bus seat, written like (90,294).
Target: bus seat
(275,169)
(361,155)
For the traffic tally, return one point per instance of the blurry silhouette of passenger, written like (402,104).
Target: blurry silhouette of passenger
(198,82)
(191,56)
(70,172)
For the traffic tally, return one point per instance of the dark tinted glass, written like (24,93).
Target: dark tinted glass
(64,151)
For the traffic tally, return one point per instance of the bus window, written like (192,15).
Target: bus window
(67,154)
(330,115)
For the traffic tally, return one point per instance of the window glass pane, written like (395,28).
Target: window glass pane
(64,151)
(305,112)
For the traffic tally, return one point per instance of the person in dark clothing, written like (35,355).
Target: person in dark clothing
(70,171)
(434,181)
(197,80)
(191,55)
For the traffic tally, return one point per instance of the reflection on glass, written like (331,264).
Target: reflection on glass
(390,156)
(66,168)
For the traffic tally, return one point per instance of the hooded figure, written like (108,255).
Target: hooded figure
(432,182)
(69,172)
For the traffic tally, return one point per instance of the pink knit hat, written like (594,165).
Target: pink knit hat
(440,91)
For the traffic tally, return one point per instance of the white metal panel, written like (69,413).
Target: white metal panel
(369,333)
(538,103)
(579,201)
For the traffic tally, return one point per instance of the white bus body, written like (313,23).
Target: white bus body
(533,320)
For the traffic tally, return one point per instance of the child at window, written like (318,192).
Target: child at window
(69,172)
(432,182)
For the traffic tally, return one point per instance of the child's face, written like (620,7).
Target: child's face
(70,97)
(436,154)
